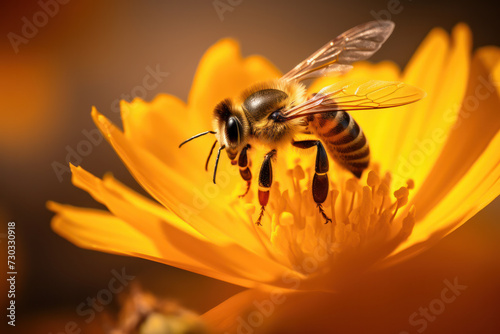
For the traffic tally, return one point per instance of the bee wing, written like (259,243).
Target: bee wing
(358,43)
(357,95)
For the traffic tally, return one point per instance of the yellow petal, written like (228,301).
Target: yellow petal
(101,231)
(443,74)
(450,186)
(119,199)
(109,190)
(224,317)
(203,206)
(479,187)
(158,127)
(223,73)
(158,235)
(386,298)
(465,176)
(210,219)
(477,124)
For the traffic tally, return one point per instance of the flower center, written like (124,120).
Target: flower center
(366,217)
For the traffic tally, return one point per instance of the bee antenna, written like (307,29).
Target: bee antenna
(196,136)
(210,154)
(217,160)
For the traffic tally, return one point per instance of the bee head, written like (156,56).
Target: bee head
(231,126)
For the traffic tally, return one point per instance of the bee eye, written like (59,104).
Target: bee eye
(233,130)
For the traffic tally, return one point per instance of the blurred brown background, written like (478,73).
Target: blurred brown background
(92,53)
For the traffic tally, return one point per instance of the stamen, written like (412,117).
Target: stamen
(383,190)
(298,174)
(402,198)
(408,224)
(395,211)
(351,186)
(249,211)
(373,181)
(360,223)
(333,198)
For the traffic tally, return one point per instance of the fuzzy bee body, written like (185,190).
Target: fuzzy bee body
(273,113)
(259,110)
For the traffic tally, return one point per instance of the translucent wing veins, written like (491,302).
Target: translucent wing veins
(335,57)
(357,95)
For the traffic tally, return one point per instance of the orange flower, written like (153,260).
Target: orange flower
(436,164)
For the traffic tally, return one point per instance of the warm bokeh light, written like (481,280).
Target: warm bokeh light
(34,99)
(82,54)
(294,250)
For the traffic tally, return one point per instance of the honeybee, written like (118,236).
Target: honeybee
(274,112)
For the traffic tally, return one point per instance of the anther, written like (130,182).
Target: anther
(334,194)
(383,191)
(351,185)
(373,181)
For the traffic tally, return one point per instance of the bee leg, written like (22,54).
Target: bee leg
(320,180)
(244,165)
(265,181)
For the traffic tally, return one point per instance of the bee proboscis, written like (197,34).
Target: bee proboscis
(274,112)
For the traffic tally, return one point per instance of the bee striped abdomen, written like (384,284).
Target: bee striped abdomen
(343,138)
